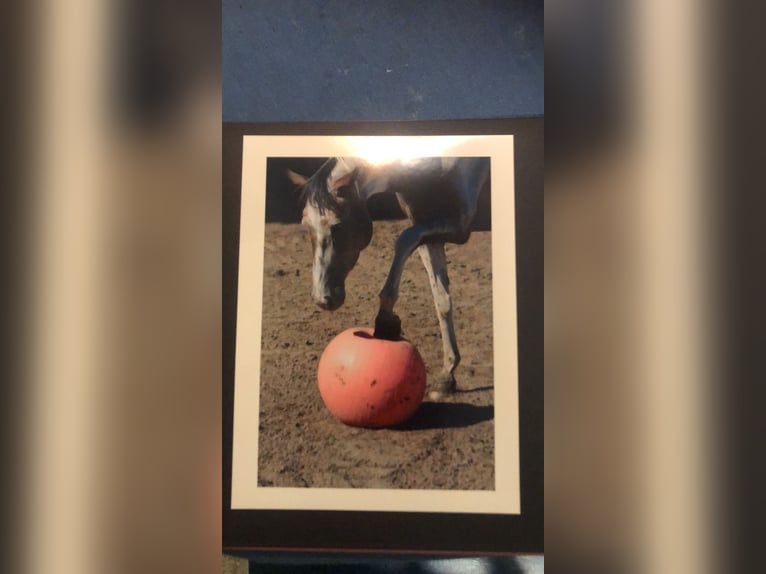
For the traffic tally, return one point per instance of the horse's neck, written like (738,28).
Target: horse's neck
(370,179)
(367,178)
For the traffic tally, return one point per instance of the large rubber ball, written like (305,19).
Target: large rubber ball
(371,382)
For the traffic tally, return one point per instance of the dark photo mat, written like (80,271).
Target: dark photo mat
(405,531)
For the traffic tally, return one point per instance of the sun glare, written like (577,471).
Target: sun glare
(386,149)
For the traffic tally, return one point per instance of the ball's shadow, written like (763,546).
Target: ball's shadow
(447,415)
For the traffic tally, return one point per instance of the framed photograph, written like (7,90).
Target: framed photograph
(383,337)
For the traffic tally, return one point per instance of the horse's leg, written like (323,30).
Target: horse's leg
(387,323)
(435,262)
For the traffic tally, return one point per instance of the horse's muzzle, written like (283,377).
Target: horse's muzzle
(329,304)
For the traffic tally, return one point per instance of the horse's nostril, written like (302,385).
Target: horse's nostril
(324,302)
(329,303)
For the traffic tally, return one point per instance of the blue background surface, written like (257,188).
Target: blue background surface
(333,60)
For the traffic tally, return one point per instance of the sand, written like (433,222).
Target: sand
(448,444)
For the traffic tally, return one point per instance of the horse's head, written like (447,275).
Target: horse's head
(339,227)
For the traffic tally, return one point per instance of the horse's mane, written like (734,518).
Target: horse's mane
(315,189)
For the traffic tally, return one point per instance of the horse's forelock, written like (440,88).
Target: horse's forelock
(315,190)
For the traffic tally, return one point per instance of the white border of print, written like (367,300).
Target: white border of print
(246,494)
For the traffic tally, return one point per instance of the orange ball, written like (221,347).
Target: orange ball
(371,382)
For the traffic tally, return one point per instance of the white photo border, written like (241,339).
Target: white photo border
(246,494)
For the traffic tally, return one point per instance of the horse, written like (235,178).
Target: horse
(438,195)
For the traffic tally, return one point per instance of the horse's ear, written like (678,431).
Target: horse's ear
(296,178)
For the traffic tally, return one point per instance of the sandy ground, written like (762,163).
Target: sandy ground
(447,444)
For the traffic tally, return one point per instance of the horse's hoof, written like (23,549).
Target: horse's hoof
(388,326)
(444,386)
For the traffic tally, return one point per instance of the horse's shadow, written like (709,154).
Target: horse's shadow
(447,415)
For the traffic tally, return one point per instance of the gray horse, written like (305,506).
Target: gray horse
(438,195)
